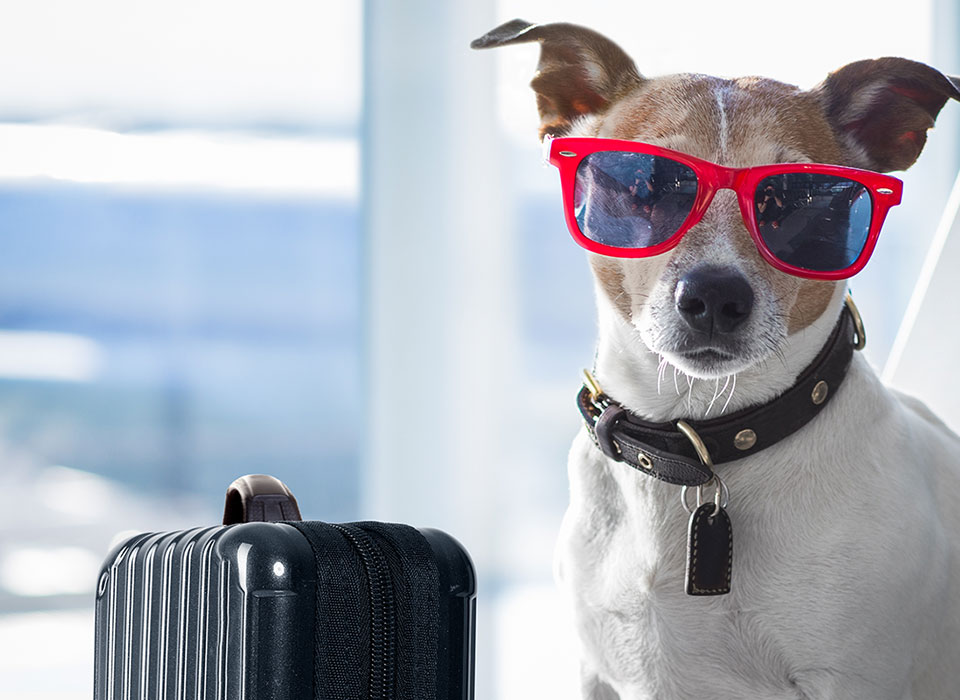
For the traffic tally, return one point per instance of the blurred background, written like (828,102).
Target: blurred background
(316,240)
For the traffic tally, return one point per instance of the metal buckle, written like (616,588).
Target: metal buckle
(606,414)
(861,341)
(721,494)
(596,393)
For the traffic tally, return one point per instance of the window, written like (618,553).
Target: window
(179,287)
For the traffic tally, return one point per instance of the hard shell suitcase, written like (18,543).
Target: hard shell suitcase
(285,610)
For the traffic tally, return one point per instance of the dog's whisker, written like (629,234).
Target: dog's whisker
(660,371)
(675,384)
(716,395)
(732,389)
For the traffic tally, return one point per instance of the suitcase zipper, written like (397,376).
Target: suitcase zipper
(382,612)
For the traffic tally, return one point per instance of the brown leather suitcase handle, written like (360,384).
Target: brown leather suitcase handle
(259,498)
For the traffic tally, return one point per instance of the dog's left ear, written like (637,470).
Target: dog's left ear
(881,109)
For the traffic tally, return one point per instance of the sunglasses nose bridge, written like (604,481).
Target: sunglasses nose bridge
(725,178)
(721,178)
(728,178)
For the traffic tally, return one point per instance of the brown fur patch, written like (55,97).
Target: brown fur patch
(773,122)
(675,111)
(812,300)
(610,276)
(765,119)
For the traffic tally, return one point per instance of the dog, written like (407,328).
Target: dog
(843,580)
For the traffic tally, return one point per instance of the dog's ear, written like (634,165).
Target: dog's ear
(580,71)
(882,109)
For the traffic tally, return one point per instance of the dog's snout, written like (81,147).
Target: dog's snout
(713,299)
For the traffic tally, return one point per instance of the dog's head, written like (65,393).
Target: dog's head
(712,306)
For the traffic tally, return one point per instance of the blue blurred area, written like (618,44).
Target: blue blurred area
(557,317)
(228,326)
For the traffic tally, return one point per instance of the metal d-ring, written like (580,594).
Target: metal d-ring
(861,341)
(721,496)
(702,452)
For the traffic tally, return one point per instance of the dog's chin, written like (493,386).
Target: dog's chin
(709,362)
(702,356)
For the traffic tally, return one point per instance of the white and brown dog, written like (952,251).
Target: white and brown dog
(846,573)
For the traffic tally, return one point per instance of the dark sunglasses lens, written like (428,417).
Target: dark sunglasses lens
(817,222)
(632,200)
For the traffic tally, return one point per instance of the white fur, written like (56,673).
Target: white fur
(720,93)
(845,582)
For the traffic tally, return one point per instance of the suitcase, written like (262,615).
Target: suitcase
(269,607)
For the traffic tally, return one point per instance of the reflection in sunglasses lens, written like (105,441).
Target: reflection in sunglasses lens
(632,200)
(813,221)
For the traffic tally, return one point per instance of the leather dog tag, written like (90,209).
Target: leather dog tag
(709,551)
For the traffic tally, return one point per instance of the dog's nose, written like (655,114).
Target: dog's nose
(713,299)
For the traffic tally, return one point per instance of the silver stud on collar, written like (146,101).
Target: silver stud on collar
(819,393)
(745,439)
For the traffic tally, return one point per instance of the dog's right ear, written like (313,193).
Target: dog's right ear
(580,71)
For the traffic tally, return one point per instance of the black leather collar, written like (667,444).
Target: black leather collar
(662,451)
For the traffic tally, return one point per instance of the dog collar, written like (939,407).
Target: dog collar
(670,451)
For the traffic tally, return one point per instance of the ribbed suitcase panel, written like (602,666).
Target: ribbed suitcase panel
(154,622)
(194,615)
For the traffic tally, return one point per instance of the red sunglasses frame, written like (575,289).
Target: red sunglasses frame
(567,153)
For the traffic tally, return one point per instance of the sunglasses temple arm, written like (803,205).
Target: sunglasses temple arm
(545,150)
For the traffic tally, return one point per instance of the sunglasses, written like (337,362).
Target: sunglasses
(634,200)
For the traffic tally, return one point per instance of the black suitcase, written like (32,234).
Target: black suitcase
(286,610)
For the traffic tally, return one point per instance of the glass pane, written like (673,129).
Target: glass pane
(632,200)
(817,222)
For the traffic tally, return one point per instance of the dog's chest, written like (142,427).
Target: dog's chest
(810,565)
(639,626)
(623,556)
(643,630)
